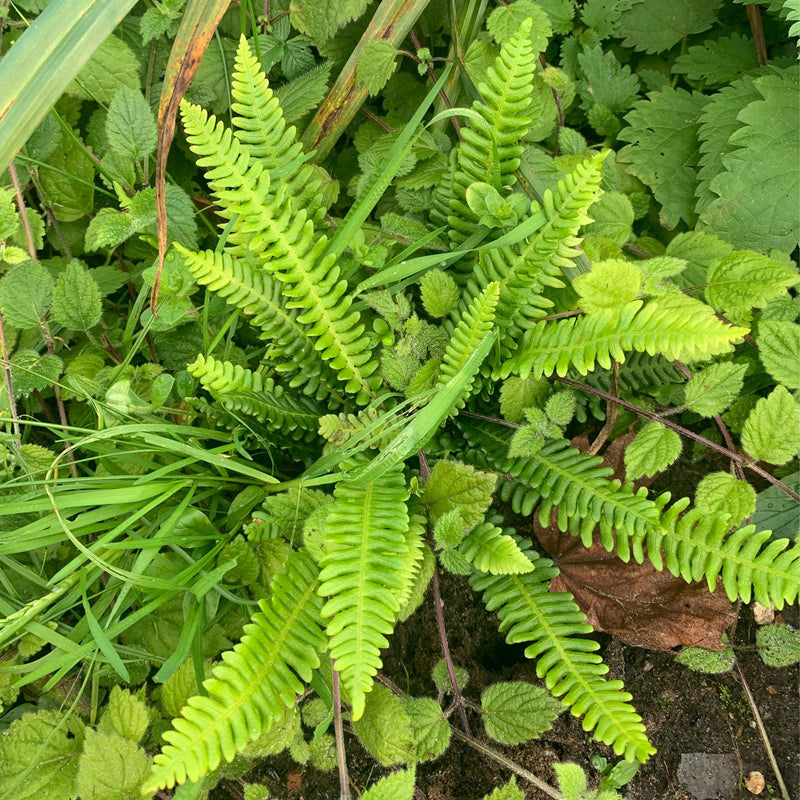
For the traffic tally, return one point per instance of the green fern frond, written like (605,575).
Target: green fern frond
(289,248)
(674,325)
(489,549)
(240,389)
(253,684)
(522,271)
(697,546)
(473,327)
(259,125)
(572,670)
(412,554)
(362,575)
(491,149)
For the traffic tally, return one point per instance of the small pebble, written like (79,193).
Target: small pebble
(754,783)
(763,615)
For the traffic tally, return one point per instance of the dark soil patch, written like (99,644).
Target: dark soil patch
(685,712)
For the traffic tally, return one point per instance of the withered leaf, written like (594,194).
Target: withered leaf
(635,602)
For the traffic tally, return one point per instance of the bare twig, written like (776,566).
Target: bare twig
(9,385)
(763,731)
(559,109)
(338,729)
(23,214)
(612,409)
(442,94)
(757,29)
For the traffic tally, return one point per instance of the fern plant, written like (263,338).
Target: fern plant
(360,557)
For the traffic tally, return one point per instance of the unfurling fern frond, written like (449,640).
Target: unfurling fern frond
(522,271)
(259,125)
(239,389)
(697,546)
(253,684)
(572,670)
(472,329)
(363,575)
(576,485)
(491,149)
(288,248)
(674,325)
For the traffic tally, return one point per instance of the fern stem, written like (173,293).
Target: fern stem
(442,94)
(457,698)
(9,386)
(762,730)
(735,457)
(338,729)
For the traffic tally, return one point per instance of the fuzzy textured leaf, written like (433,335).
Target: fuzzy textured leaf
(26,292)
(654,26)
(516,712)
(130,125)
(76,298)
(772,431)
(711,390)
(609,285)
(111,768)
(456,486)
(397,786)
(653,450)
(779,351)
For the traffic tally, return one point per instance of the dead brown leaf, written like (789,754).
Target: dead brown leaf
(635,602)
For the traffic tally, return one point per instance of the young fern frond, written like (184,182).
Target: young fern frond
(674,325)
(289,250)
(569,665)
(363,573)
(241,390)
(473,327)
(491,550)
(491,149)
(259,125)
(254,682)
(697,546)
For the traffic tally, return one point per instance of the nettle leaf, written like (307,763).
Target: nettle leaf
(721,491)
(304,93)
(772,430)
(111,768)
(31,371)
(778,645)
(699,249)
(711,390)
(130,125)
(69,185)
(453,485)
(608,83)
(653,450)
(515,712)
(517,394)
(321,19)
(664,150)
(718,61)
(376,64)
(571,780)
(560,14)
(655,26)
(109,228)
(613,217)
(178,688)
(779,351)
(657,270)
(297,57)
(745,280)
(125,715)
(505,21)
(508,792)
(429,727)
(112,67)
(610,284)
(385,728)
(77,304)
(39,757)
(26,292)
(397,786)
(439,292)
(448,530)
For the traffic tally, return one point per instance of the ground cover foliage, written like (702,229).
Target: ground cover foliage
(553,252)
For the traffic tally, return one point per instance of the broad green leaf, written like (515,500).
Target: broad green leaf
(779,351)
(441,677)
(772,430)
(745,280)
(571,780)
(397,786)
(108,229)
(304,93)
(776,511)
(560,14)
(607,82)
(76,298)
(778,645)
(130,125)
(655,26)
(508,792)
(321,19)
(453,485)
(429,727)
(613,217)
(699,249)
(112,768)
(721,491)
(439,293)
(657,270)
(125,715)
(178,688)
(39,757)
(517,711)
(653,450)
(711,390)
(712,662)
(26,292)
(448,530)
(376,64)
(385,728)
(517,394)
(112,67)
(48,55)
(67,179)
(610,284)
(718,61)
(506,20)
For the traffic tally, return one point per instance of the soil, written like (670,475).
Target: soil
(685,713)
